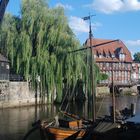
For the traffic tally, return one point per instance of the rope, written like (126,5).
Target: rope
(30,132)
(100,106)
(70,98)
(63,100)
(36,125)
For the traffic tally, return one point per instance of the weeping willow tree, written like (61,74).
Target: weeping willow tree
(37,44)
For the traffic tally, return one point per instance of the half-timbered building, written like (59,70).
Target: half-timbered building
(113,59)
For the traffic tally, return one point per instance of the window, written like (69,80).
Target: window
(2,64)
(122,56)
(117,73)
(7,67)
(101,64)
(100,55)
(104,64)
(107,64)
(125,75)
(113,56)
(126,65)
(116,65)
(119,65)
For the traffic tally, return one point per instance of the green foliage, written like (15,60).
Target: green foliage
(37,44)
(137,57)
(103,76)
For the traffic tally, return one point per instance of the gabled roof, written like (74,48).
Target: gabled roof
(3,59)
(110,48)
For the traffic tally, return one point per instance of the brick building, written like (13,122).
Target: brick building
(113,58)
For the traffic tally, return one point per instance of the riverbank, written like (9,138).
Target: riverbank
(105,91)
(17,94)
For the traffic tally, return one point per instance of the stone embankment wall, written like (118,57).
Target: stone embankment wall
(130,90)
(102,91)
(14,94)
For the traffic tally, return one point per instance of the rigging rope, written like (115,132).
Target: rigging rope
(70,98)
(101,102)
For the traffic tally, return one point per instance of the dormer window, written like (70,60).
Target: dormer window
(100,56)
(104,54)
(107,55)
(122,56)
(113,56)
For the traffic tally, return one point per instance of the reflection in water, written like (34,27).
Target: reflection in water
(14,123)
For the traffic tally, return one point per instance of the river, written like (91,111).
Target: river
(15,122)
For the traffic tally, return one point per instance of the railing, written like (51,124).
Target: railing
(14,77)
(11,77)
(117,83)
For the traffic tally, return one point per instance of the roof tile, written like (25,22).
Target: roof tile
(110,48)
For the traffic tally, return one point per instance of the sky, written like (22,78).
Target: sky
(114,19)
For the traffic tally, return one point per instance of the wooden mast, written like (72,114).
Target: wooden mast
(93,87)
(113,95)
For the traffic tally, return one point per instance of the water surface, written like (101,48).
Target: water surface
(15,122)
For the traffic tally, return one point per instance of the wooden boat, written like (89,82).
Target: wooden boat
(58,133)
(65,129)
(127,131)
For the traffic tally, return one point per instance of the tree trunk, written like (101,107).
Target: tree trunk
(3,5)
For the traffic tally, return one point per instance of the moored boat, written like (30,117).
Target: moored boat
(58,133)
(69,128)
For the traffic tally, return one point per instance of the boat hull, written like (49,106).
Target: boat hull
(57,133)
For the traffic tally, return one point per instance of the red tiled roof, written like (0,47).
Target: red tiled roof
(109,49)
(106,60)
